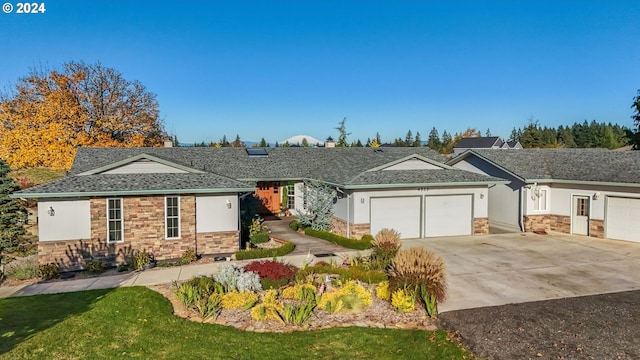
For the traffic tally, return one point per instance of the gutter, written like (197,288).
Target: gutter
(19,194)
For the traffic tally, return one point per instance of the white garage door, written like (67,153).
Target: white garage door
(623,215)
(399,213)
(448,215)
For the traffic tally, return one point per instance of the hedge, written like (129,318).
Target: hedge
(265,253)
(362,244)
(353,272)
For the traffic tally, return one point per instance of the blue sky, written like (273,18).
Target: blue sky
(275,69)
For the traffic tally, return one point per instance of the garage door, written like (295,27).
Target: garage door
(622,217)
(448,215)
(399,213)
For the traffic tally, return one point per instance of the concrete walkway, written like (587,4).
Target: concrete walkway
(305,253)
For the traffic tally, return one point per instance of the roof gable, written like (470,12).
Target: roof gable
(412,162)
(142,164)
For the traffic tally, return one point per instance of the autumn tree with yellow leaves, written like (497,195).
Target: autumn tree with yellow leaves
(50,114)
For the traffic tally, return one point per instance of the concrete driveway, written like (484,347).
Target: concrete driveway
(500,269)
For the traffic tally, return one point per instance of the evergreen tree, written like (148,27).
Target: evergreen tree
(635,137)
(359,143)
(418,140)
(224,142)
(434,142)
(488,133)
(305,143)
(263,143)
(447,142)
(368,144)
(277,145)
(342,138)
(13,215)
(378,139)
(237,142)
(408,139)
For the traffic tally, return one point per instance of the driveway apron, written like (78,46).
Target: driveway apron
(498,269)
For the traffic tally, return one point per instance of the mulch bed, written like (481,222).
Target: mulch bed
(591,327)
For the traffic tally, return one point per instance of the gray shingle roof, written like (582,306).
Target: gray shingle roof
(418,178)
(591,165)
(104,184)
(479,142)
(233,168)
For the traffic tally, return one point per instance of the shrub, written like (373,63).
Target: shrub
(403,301)
(297,314)
(188,256)
(239,300)
(271,269)
(270,308)
(382,291)
(352,273)
(294,225)
(265,253)
(367,237)
(384,248)
(300,292)
(49,271)
(141,259)
(422,273)
(202,294)
(257,227)
(362,244)
(259,238)
(352,296)
(235,278)
(268,283)
(96,266)
(23,269)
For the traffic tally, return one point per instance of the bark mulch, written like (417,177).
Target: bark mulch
(591,327)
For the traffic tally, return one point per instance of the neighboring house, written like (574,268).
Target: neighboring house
(594,192)
(117,201)
(490,142)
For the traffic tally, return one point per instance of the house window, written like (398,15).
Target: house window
(582,207)
(291,196)
(115,230)
(540,201)
(172,216)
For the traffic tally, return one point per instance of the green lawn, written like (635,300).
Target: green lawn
(137,322)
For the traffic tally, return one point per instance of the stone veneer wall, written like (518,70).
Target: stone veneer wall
(560,223)
(144,230)
(596,228)
(218,242)
(339,226)
(536,223)
(480,226)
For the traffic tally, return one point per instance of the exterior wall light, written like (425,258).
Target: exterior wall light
(481,195)
(361,200)
(51,211)
(228,204)
(596,196)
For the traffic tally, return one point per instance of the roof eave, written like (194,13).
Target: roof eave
(443,184)
(19,195)
(581,182)
(470,152)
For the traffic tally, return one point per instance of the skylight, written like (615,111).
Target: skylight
(257,152)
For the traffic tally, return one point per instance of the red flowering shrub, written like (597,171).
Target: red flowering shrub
(272,269)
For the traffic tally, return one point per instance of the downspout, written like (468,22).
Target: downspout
(521,210)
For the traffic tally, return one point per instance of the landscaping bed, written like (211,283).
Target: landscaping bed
(380,314)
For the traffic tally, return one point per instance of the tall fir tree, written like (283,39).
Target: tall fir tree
(13,215)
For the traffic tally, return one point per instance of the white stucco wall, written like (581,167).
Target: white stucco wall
(361,199)
(71,220)
(212,213)
(560,200)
